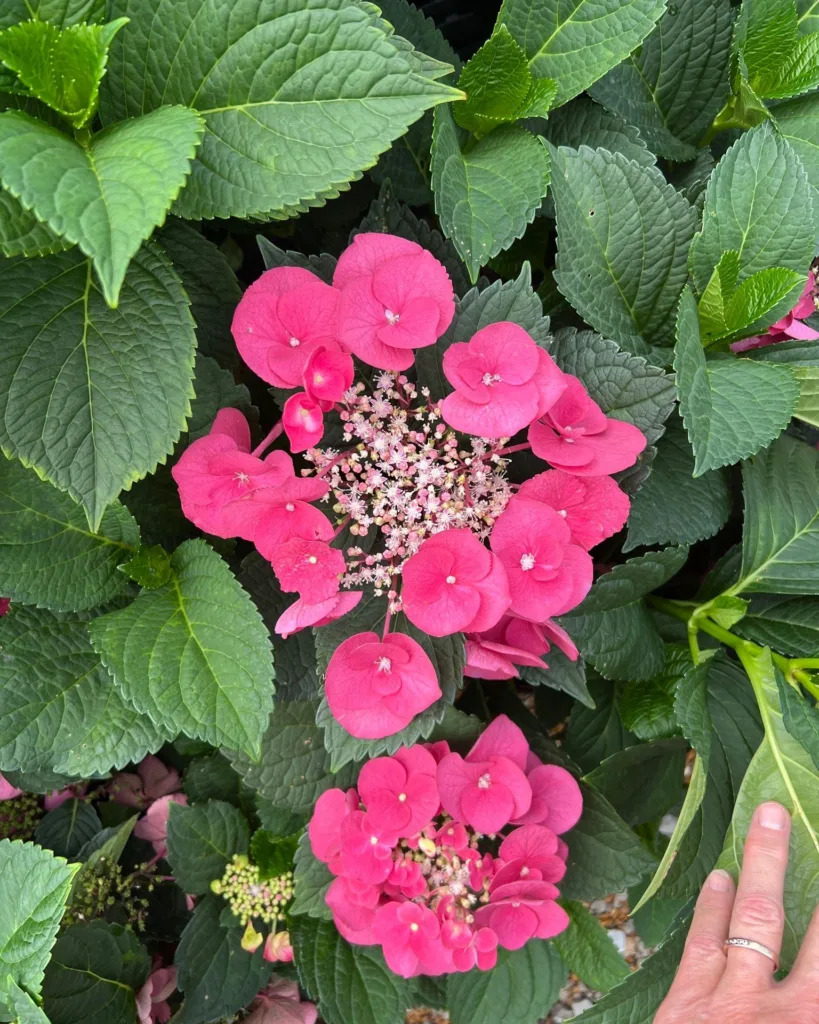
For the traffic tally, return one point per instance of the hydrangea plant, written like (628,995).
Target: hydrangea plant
(409,498)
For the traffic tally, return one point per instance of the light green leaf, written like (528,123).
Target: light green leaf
(731,407)
(577,45)
(201,842)
(88,194)
(34,887)
(800,716)
(585,123)
(523,983)
(729,312)
(789,625)
(674,85)
(808,15)
(150,567)
(108,847)
(623,240)
(586,949)
(798,123)
(61,13)
(783,771)
(807,408)
(62,68)
(194,654)
(487,194)
(92,398)
(758,202)
(21,234)
(19,1003)
(48,556)
(673,505)
(95,973)
(336,90)
(780,61)
(780,537)
(60,709)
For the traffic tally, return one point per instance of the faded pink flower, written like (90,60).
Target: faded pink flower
(152,999)
(7,791)
(283,317)
(375,686)
(54,799)
(153,825)
(576,435)
(4,605)
(328,374)
(301,615)
(410,937)
(303,421)
(548,575)
(400,793)
(281,1003)
(395,297)
(520,911)
(152,780)
(502,382)
(790,327)
(310,567)
(277,948)
(594,507)
(454,583)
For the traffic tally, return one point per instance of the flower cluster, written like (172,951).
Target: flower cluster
(420,511)
(440,859)
(248,896)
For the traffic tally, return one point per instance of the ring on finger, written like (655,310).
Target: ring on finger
(754,946)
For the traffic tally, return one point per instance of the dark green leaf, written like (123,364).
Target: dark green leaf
(647,708)
(562,674)
(789,625)
(313,879)
(585,123)
(586,949)
(215,389)
(67,828)
(201,842)
(800,716)
(150,567)
(595,734)
(273,854)
(622,777)
(211,778)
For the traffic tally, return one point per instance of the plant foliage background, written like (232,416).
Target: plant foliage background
(634,185)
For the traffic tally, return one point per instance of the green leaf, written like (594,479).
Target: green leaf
(34,887)
(780,539)
(19,1003)
(789,625)
(673,505)
(647,708)
(149,156)
(278,820)
(150,567)
(272,854)
(486,195)
(94,975)
(783,771)
(780,61)
(727,312)
(201,842)
(216,975)
(623,239)
(499,86)
(215,389)
(594,734)
(336,91)
(67,828)
(613,628)
(577,46)
(674,85)
(48,556)
(91,397)
(562,674)
(807,408)
(800,717)
(61,67)
(351,984)
(586,949)
(312,880)
(758,202)
(211,778)
(61,13)
(731,407)
(21,234)
(621,779)
(637,999)
(60,709)
(798,123)
(209,283)
(605,855)
(194,654)
(294,769)
(524,982)
(585,123)
(108,845)
(625,387)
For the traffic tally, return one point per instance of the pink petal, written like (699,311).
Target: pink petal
(484,661)
(558,792)
(368,251)
(403,279)
(7,791)
(501,738)
(360,319)
(510,409)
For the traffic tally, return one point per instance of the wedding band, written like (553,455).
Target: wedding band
(757,947)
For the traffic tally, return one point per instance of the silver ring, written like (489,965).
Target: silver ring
(757,947)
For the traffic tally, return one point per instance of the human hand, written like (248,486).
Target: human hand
(734,985)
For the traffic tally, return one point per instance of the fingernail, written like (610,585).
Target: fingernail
(772,816)
(720,881)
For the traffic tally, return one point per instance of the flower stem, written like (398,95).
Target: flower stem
(522,447)
(271,437)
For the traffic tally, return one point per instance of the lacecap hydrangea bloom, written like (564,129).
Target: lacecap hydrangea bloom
(413,504)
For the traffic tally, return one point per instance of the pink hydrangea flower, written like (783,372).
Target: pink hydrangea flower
(303,421)
(503,381)
(790,327)
(495,653)
(328,374)
(278,949)
(557,801)
(482,952)
(395,297)
(324,830)
(483,794)
(354,904)
(376,686)
(454,583)
(310,567)
(7,791)
(152,780)
(153,825)
(281,1003)
(548,575)
(301,615)
(283,515)
(529,852)
(57,797)
(283,317)
(576,435)
(520,911)
(152,999)
(594,507)
(366,850)
(410,937)
(217,476)
(400,792)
